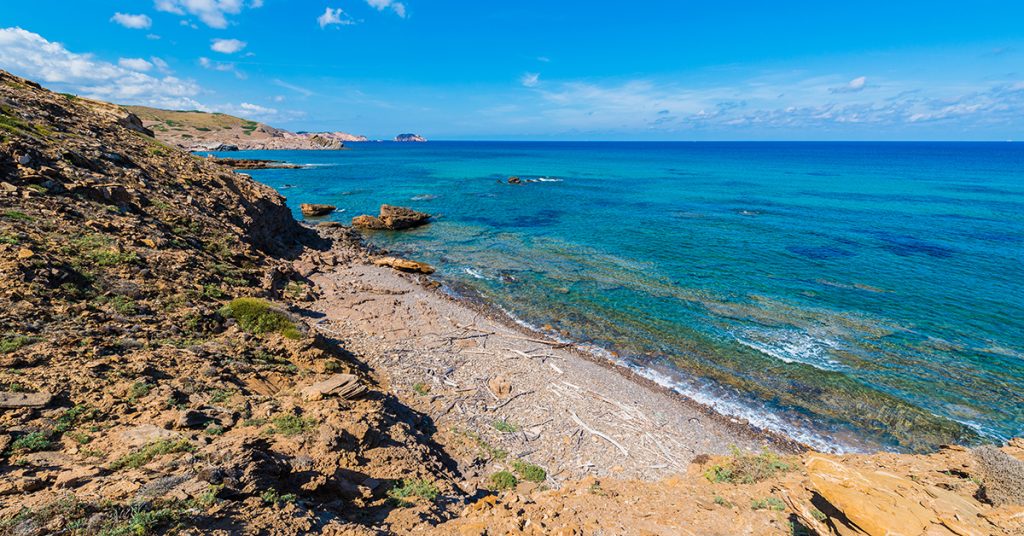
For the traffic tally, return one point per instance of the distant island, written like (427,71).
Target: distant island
(193,130)
(410,137)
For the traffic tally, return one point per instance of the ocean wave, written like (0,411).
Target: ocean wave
(424,197)
(791,346)
(549,179)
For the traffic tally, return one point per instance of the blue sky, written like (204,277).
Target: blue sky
(671,70)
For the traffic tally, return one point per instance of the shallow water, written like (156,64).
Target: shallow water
(851,295)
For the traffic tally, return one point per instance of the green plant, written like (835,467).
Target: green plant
(16,215)
(490,451)
(272,496)
(139,390)
(123,305)
(529,471)
(214,430)
(411,488)
(74,416)
(503,480)
(9,239)
(113,257)
(218,396)
(720,501)
(147,453)
(505,427)
(10,343)
(421,388)
(744,468)
(141,522)
(32,442)
(291,425)
(818,514)
(258,317)
(768,503)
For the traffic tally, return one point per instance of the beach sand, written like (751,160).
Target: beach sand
(472,371)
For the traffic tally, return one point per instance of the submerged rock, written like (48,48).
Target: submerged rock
(515,180)
(315,210)
(392,218)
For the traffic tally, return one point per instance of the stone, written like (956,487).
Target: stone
(25,253)
(500,386)
(25,400)
(145,434)
(404,265)
(8,187)
(345,386)
(515,180)
(75,476)
(392,218)
(314,210)
(24,159)
(193,419)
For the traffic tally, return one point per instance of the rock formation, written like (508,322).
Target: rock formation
(315,210)
(404,265)
(392,218)
(410,138)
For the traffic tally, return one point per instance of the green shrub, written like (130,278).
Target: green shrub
(149,452)
(291,425)
(503,480)
(17,215)
(745,468)
(272,496)
(421,388)
(10,343)
(410,488)
(505,427)
(74,416)
(258,317)
(530,472)
(768,503)
(32,442)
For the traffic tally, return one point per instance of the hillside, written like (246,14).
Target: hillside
(194,130)
(179,355)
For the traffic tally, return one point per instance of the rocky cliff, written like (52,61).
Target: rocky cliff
(201,131)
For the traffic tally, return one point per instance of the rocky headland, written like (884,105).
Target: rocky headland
(203,131)
(179,355)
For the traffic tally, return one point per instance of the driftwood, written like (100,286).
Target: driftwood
(599,434)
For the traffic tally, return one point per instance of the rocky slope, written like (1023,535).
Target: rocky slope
(200,131)
(161,374)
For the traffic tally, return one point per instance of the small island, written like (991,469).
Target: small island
(410,138)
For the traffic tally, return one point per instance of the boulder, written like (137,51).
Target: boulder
(312,210)
(404,265)
(392,218)
(345,386)
(515,180)
(24,400)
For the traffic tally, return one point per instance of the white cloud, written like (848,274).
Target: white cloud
(135,22)
(381,5)
(530,79)
(853,86)
(224,67)
(135,64)
(213,13)
(160,64)
(334,16)
(298,89)
(227,46)
(32,56)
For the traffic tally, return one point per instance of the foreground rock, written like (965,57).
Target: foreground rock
(392,218)
(404,265)
(315,210)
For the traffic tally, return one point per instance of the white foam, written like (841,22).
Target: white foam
(791,346)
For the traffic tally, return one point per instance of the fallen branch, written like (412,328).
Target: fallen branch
(599,434)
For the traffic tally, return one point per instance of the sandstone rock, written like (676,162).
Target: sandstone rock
(404,265)
(345,386)
(881,503)
(25,400)
(500,386)
(313,210)
(8,187)
(145,434)
(392,218)
(75,476)
(25,253)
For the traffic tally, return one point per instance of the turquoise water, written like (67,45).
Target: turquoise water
(851,295)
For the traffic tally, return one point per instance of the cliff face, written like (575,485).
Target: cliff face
(202,131)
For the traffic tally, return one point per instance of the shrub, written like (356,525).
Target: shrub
(151,451)
(411,488)
(529,471)
(745,468)
(505,427)
(272,496)
(32,442)
(291,425)
(10,343)
(503,480)
(258,317)
(768,503)
(421,388)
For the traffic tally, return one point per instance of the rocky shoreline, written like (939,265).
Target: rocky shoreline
(181,356)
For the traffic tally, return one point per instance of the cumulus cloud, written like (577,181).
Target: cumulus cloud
(31,55)
(227,46)
(381,5)
(853,86)
(213,13)
(135,64)
(334,16)
(530,79)
(135,22)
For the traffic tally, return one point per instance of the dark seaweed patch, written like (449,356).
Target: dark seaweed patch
(820,253)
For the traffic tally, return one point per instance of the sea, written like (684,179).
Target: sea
(851,296)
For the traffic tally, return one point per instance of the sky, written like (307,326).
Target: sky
(545,69)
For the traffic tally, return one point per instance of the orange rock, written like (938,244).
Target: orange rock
(25,253)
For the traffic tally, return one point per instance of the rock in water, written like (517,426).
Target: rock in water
(410,137)
(404,265)
(515,180)
(392,218)
(313,210)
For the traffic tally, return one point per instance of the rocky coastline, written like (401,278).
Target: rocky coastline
(180,355)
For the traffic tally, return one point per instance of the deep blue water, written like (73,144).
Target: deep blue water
(852,295)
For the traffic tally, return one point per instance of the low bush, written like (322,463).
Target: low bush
(257,316)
